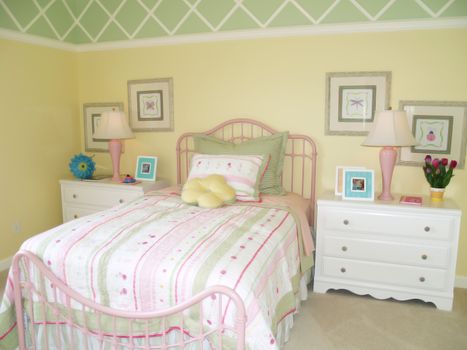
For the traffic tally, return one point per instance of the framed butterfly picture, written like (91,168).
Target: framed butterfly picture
(439,128)
(150,104)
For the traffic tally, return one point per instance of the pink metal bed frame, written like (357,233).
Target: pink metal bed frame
(63,303)
(299,173)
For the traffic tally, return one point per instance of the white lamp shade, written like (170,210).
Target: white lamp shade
(390,129)
(113,126)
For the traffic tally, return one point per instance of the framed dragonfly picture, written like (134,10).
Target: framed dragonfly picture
(150,104)
(353,99)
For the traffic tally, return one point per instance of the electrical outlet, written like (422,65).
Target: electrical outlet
(16,227)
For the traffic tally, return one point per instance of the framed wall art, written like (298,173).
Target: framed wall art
(146,168)
(439,128)
(92,116)
(353,99)
(150,104)
(359,184)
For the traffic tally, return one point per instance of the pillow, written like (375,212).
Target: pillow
(272,146)
(210,192)
(242,172)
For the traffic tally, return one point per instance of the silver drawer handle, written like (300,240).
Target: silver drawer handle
(422,279)
(121,200)
(343,269)
(424,257)
(344,248)
(346,222)
(75,196)
(427,228)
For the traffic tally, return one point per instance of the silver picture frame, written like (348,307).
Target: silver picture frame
(91,116)
(353,99)
(150,104)
(440,128)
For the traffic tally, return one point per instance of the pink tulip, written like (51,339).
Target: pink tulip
(435,162)
(453,164)
(444,161)
(428,159)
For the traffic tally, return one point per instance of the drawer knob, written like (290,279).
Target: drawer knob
(75,196)
(427,228)
(121,200)
(422,279)
(343,269)
(424,257)
(75,216)
(344,248)
(346,222)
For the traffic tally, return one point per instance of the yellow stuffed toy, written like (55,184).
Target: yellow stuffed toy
(209,192)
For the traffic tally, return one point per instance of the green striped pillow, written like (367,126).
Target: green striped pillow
(272,145)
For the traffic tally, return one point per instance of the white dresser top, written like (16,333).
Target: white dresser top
(447,204)
(108,183)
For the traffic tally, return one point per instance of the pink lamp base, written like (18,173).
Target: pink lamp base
(115,149)
(387,159)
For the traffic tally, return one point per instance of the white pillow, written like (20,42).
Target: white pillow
(242,172)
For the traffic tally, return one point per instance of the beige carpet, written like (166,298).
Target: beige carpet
(342,320)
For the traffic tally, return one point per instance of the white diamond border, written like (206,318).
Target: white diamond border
(315,27)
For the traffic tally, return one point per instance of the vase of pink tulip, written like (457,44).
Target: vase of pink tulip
(438,173)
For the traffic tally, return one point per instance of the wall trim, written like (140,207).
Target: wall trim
(36,40)
(309,30)
(5,263)
(460,282)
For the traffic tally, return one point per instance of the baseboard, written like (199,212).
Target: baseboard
(460,282)
(5,264)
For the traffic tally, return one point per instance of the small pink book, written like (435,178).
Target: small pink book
(413,200)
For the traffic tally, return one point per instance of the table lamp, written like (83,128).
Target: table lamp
(114,127)
(389,130)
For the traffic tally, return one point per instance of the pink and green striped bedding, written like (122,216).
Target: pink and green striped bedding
(156,251)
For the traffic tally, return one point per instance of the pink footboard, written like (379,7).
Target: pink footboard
(63,319)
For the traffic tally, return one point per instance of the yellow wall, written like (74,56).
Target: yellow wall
(281,82)
(39,132)
(278,81)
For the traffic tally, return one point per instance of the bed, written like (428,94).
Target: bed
(227,278)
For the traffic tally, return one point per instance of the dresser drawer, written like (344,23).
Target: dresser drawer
(387,274)
(389,252)
(71,213)
(96,196)
(387,223)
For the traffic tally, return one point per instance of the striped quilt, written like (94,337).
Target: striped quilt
(156,251)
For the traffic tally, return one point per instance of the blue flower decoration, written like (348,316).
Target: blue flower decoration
(82,166)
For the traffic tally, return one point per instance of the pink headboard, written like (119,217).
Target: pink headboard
(299,174)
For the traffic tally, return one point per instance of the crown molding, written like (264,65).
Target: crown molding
(36,40)
(309,30)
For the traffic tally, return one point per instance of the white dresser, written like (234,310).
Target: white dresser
(80,198)
(387,249)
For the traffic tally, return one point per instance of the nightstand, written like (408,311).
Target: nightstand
(387,249)
(80,198)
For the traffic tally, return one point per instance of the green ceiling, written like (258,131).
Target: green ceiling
(96,21)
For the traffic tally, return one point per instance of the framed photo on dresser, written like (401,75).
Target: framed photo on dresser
(359,184)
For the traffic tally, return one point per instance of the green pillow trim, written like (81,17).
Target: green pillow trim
(272,145)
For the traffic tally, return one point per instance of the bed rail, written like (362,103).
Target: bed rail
(299,172)
(51,315)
